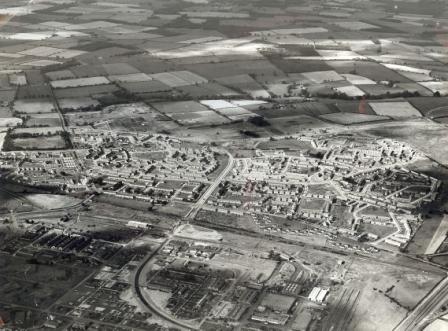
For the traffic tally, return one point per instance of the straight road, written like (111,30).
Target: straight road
(429,306)
(198,205)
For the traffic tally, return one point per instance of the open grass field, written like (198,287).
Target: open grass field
(33,106)
(39,143)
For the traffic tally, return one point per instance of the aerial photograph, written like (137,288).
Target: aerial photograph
(224,165)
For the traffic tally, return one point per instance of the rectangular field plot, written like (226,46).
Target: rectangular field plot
(119,69)
(207,117)
(441,87)
(179,78)
(84,91)
(144,86)
(352,118)
(395,109)
(38,143)
(180,107)
(33,106)
(217,104)
(351,91)
(323,76)
(38,130)
(358,80)
(356,25)
(61,74)
(79,82)
(234,111)
(138,77)
(77,103)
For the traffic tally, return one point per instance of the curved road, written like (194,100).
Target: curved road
(149,304)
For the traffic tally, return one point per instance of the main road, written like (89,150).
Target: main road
(139,282)
(198,205)
(427,308)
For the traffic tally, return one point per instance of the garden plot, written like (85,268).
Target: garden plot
(320,77)
(441,87)
(181,107)
(395,109)
(33,106)
(79,82)
(356,25)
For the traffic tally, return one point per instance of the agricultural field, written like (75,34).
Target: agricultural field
(395,109)
(79,82)
(54,142)
(36,106)
(352,118)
